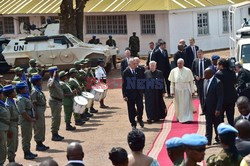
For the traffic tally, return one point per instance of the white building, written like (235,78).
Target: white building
(170,20)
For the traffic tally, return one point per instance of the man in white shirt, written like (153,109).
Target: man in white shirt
(124,62)
(191,52)
(150,53)
(244,108)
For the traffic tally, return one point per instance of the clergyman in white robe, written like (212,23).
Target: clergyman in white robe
(182,87)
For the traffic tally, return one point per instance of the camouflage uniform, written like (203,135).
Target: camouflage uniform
(134,45)
(4,127)
(14,119)
(223,159)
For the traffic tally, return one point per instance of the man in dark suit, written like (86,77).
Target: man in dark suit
(132,93)
(160,56)
(191,51)
(198,67)
(139,69)
(150,52)
(243,80)
(213,101)
(228,79)
(75,154)
(124,62)
(243,140)
(244,108)
(180,54)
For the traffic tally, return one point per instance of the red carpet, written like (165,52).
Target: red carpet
(172,128)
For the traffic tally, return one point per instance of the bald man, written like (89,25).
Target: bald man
(213,102)
(49,162)
(243,140)
(75,154)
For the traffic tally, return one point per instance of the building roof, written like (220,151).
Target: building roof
(53,6)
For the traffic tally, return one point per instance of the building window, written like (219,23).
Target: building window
(8,25)
(202,22)
(26,21)
(106,24)
(1,26)
(148,24)
(225,16)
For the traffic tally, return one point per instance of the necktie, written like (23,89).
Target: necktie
(206,88)
(201,69)
(133,72)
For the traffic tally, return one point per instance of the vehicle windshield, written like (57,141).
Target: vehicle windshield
(245,53)
(247,24)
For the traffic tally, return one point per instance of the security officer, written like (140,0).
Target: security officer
(10,93)
(55,102)
(175,150)
(215,59)
(229,156)
(93,40)
(19,75)
(195,146)
(4,128)
(27,119)
(39,102)
(111,43)
(75,86)
(134,45)
(67,100)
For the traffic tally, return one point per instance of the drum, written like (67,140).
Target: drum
(105,89)
(80,104)
(98,93)
(89,97)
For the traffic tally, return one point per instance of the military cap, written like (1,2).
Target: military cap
(226,128)
(18,69)
(77,63)
(174,142)
(21,85)
(62,74)
(36,77)
(53,68)
(86,60)
(110,36)
(7,88)
(32,61)
(194,140)
(215,57)
(72,70)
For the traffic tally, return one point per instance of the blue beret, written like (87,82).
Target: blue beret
(7,88)
(174,142)
(36,77)
(194,140)
(215,57)
(226,128)
(53,68)
(21,85)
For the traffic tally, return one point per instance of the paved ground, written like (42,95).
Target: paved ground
(105,130)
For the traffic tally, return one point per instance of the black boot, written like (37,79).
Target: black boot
(69,127)
(28,156)
(41,147)
(56,137)
(79,122)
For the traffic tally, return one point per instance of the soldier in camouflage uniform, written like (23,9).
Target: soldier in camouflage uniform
(134,45)
(93,40)
(27,119)
(20,75)
(10,93)
(39,103)
(4,128)
(55,102)
(111,43)
(229,156)
(68,99)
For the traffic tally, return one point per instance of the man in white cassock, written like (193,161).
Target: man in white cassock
(182,88)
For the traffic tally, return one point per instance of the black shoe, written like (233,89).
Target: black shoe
(28,156)
(84,119)
(70,128)
(93,111)
(41,148)
(149,121)
(104,106)
(35,155)
(56,138)
(79,123)
(87,114)
(141,123)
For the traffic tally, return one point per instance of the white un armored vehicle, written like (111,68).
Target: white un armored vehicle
(55,49)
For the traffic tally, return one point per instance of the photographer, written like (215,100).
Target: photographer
(243,80)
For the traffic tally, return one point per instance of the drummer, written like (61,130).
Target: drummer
(89,79)
(75,85)
(101,76)
(68,94)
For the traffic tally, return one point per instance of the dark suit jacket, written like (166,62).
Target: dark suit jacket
(243,78)
(149,54)
(129,89)
(228,79)
(214,97)
(162,61)
(124,65)
(195,65)
(239,118)
(140,72)
(243,146)
(182,55)
(190,55)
